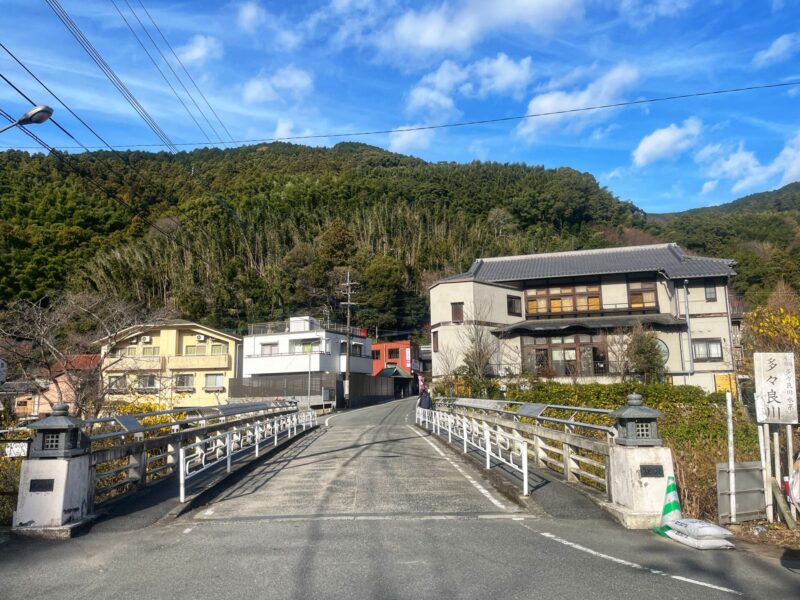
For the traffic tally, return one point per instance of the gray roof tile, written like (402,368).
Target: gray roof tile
(670,259)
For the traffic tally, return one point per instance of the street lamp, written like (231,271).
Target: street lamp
(36,115)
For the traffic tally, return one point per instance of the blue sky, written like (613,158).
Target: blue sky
(279,69)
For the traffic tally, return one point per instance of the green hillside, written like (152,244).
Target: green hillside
(264,232)
(761,232)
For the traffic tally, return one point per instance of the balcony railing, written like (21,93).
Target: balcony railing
(606,309)
(275,327)
(199,361)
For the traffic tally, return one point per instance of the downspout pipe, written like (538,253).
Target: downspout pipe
(688,325)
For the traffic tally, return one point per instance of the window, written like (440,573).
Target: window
(150,351)
(117,383)
(435,341)
(358,350)
(215,381)
(642,294)
(146,382)
(184,381)
(707,350)
(305,346)
(129,351)
(217,349)
(394,352)
(569,298)
(514,305)
(457,312)
(195,350)
(269,349)
(51,441)
(711,290)
(22,403)
(376,355)
(565,356)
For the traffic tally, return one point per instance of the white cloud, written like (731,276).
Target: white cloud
(779,50)
(613,174)
(709,186)
(641,13)
(601,133)
(285,129)
(403,141)
(501,75)
(667,142)
(708,152)
(746,171)
(607,89)
(459,25)
(286,82)
(200,49)
(251,16)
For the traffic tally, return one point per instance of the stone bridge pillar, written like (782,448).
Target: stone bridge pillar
(638,467)
(55,484)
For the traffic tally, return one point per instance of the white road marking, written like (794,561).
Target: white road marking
(187,530)
(633,565)
(210,511)
(466,475)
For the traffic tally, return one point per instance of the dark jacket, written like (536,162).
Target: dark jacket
(425,400)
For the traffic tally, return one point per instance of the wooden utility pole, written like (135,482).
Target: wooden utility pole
(349,285)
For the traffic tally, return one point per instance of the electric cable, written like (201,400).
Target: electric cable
(194,83)
(76,32)
(155,64)
(484,121)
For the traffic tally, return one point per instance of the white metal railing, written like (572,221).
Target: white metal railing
(580,459)
(509,448)
(208,452)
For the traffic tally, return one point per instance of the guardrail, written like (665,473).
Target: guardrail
(580,459)
(210,451)
(509,449)
(143,449)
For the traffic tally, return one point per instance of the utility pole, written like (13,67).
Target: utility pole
(349,285)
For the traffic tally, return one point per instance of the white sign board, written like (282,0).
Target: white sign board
(776,393)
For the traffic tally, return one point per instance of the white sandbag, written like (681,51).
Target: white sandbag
(699,530)
(703,544)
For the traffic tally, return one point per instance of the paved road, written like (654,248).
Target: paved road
(372,507)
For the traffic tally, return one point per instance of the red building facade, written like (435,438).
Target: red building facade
(403,354)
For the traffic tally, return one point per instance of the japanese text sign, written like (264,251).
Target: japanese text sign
(776,393)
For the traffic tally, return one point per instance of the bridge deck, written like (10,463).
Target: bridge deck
(371,507)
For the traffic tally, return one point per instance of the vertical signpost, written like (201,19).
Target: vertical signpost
(776,404)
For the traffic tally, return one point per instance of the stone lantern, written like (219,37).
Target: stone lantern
(637,424)
(58,436)
(55,486)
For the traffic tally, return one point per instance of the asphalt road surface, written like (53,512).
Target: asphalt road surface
(370,506)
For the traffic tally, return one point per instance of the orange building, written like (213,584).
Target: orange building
(403,354)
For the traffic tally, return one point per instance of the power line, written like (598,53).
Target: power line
(56,123)
(109,72)
(53,94)
(199,91)
(155,64)
(485,121)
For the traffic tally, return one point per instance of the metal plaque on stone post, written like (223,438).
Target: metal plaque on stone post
(776,393)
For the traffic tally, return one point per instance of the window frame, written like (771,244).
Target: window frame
(376,355)
(268,345)
(222,348)
(179,386)
(710,285)
(209,388)
(393,354)
(572,297)
(707,342)
(514,306)
(455,309)
(643,287)
(434,341)
(141,378)
(151,351)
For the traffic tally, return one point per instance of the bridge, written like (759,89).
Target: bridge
(377,503)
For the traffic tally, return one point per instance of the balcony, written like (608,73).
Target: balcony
(203,361)
(133,363)
(298,326)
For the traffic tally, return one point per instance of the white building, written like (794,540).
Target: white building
(303,345)
(560,315)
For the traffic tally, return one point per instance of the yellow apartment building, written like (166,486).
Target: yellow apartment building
(175,363)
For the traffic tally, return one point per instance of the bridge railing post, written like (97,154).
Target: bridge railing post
(228,451)
(464,432)
(182,472)
(524,453)
(488,448)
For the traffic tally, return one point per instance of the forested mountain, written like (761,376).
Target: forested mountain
(760,231)
(264,232)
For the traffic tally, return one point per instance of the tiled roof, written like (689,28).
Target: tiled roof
(669,259)
(587,324)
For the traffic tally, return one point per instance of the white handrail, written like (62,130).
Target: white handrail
(507,449)
(203,454)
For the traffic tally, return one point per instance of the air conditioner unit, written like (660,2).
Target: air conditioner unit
(200,337)
(146,339)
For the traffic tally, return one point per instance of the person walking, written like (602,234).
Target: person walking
(425,400)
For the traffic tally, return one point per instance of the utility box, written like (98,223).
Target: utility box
(55,484)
